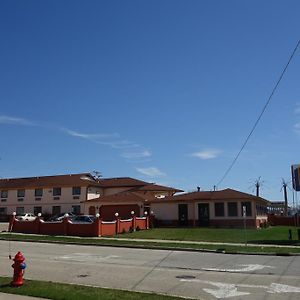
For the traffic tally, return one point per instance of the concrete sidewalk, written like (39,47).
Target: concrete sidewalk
(200,243)
(4,296)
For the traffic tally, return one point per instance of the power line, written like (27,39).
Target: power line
(260,115)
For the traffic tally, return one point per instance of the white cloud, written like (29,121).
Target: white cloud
(136,154)
(297,109)
(297,128)
(207,154)
(90,136)
(151,172)
(14,121)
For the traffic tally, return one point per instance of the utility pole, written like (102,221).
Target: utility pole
(284,187)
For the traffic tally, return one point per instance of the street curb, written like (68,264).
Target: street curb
(184,249)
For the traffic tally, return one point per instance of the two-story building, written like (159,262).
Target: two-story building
(56,194)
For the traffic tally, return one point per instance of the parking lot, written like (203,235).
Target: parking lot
(3,226)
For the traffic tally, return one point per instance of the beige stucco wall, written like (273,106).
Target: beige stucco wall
(65,201)
(94,192)
(169,211)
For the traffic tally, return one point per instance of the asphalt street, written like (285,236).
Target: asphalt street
(190,274)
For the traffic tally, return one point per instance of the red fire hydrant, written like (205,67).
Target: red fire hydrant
(19,265)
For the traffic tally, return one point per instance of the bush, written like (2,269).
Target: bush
(138,228)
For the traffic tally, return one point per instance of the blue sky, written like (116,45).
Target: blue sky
(163,91)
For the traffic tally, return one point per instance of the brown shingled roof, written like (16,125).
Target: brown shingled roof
(82,179)
(228,194)
(121,182)
(118,198)
(156,187)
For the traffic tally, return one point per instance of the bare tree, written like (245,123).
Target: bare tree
(284,187)
(97,175)
(257,184)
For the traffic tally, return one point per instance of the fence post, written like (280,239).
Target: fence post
(117,223)
(147,220)
(97,224)
(66,224)
(133,220)
(38,221)
(12,222)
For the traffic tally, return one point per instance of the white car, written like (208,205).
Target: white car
(26,217)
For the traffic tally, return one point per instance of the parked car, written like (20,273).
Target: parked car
(59,217)
(26,217)
(84,219)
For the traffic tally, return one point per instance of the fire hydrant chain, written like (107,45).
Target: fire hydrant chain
(19,266)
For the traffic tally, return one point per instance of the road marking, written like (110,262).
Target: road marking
(227,290)
(245,268)
(82,257)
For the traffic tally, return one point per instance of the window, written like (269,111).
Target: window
(57,191)
(76,209)
(21,193)
(38,192)
(37,209)
(4,194)
(3,211)
(76,190)
(56,210)
(248,208)
(219,209)
(20,210)
(232,209)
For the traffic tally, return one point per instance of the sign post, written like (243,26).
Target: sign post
(245,224)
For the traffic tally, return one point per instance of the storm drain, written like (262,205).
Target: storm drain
(83,275)
(185,277)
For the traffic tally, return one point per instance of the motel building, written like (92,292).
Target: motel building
(225,208)
(76,193)
(84,194)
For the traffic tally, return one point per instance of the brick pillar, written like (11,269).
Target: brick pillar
(11,222)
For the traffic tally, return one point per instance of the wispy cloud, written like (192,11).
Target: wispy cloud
(136,155)
(130,150)
(297,128)
(207,154)
(94,137)
(297,109)
(15,121)
(151,172)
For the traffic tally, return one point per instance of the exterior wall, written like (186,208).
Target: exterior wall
(66,200)
(284,221)
(65,227)
(94,192)
(107,211)
(114,190)
(167,214)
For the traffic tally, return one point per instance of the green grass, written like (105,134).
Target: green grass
(61,291)
(273,235)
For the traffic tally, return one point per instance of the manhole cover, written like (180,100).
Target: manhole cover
(83,275)
(185,277)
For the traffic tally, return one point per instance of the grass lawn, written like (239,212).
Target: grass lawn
(60,291)
(277,235)
(273,236)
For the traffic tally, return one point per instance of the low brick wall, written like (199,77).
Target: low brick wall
(284,221)
(66,227)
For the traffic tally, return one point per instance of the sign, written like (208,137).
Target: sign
(296,177)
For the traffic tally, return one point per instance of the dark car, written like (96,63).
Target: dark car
(59,217)
(84,219)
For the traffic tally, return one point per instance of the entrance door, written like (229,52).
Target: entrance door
(183,214)
(92,210)
(203,214)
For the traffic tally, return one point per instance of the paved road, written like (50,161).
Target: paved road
(192,274)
